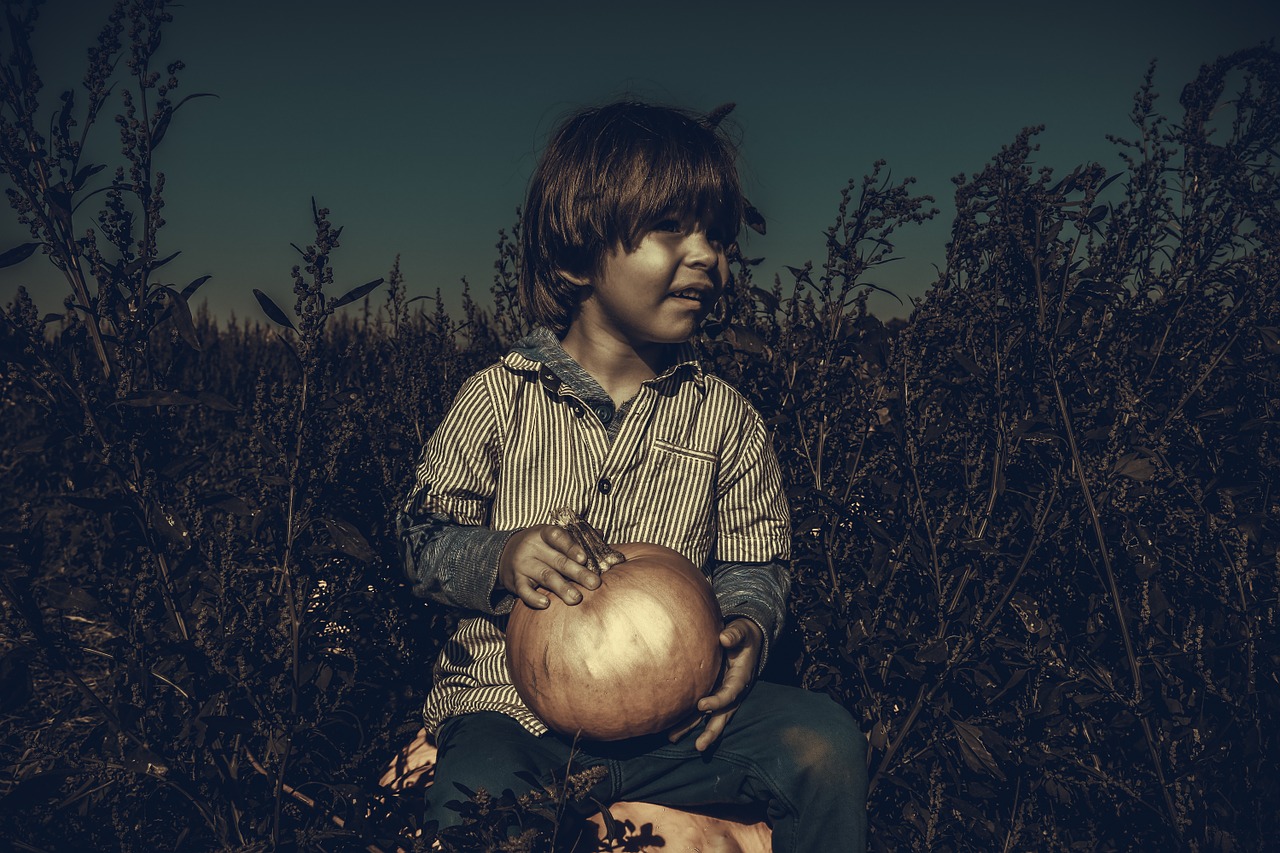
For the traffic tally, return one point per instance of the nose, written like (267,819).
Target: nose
(701,252)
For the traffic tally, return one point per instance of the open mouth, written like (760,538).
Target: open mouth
(690,295)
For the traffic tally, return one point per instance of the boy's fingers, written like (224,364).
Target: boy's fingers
(564,542)
(728,693)
(529,594)
(577,572)
(681,729)
(551,577)
(560,541)
(715,725)
(566,564)
(738,632)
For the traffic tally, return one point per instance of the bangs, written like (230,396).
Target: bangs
(674,180)
(652,163)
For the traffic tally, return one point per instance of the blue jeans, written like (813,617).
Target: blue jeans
(798,754)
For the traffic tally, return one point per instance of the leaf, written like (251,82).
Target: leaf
(162,124)
(226,724)
(62,596)
(338,399)
(85,174)
(1028,611)
(1102,186)
(18,254)
(144,761)
(974,751)
(36,444)
(268,444)
(182,318)
(933,652)
(165,260)
(719,114)
(356,293)
(169,525)
(157,398)
(967,363)
(217,402)
(801,274)
(753,218)
(765,297)
(744,339)
(347,539)
(101,505)
(64,115)
(190,289)
(1097,214)
(59,198)
(1135,466)
(272,310)
(228,502)
(612,829)
(1270,338)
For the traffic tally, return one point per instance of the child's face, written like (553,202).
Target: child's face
(662,290)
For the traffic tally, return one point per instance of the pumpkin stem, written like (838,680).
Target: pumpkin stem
(600,556)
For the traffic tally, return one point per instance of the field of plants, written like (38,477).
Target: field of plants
(1036,523)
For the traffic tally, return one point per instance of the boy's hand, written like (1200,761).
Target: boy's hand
(542,559)
(742,641)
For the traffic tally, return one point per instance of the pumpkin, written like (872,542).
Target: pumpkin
(632,658)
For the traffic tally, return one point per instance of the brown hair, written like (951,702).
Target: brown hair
(607,175)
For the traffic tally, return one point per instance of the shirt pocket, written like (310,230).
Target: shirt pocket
(679,485)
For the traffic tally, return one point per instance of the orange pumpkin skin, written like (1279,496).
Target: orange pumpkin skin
(632,658)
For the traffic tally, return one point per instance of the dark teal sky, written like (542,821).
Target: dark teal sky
(418,123)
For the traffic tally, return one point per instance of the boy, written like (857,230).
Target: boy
(604,409)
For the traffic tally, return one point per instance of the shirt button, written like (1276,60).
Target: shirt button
(604,486)
(604,413)
(577,410)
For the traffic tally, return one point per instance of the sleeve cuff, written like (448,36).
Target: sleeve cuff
(464,568)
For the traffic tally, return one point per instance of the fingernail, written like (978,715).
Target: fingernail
(543,602)
(575,596)
(580,557)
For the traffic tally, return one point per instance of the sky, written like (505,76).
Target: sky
(418,123)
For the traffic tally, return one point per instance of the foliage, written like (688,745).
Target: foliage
(1036,528)
(1035,538)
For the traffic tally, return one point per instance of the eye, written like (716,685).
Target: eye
(671,226)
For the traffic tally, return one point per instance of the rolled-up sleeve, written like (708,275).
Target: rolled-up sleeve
(753,521)
(750,574)
(448,553)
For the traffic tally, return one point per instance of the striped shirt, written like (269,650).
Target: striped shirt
(687,463)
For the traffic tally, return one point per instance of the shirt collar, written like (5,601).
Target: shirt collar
(542,349)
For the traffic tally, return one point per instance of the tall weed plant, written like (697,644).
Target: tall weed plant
(1035,524)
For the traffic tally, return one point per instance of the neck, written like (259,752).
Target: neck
(617,364)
